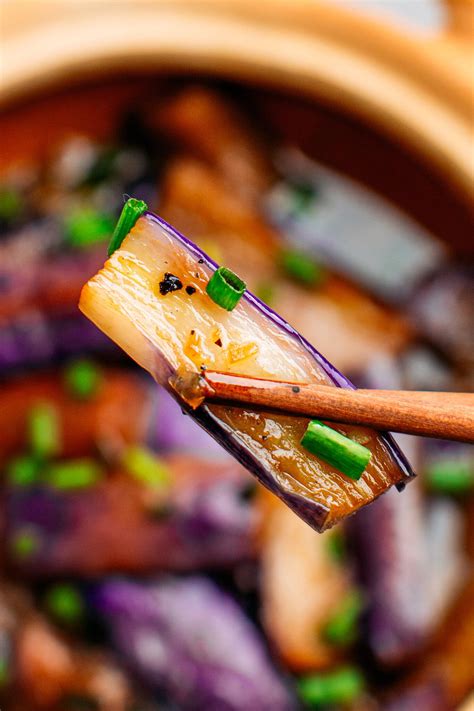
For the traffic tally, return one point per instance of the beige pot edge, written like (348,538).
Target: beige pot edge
(417,90)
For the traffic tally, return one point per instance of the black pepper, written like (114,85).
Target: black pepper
(201,261)
(190,290)
(218,343)
(170,283)
(295,389)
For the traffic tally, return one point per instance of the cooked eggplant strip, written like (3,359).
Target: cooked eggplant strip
(168,333)
(446,675)
(199,121)
(34,339)
(347,325)
(45,669)
(302,588)
(196,627)
(199,517)
(117,414)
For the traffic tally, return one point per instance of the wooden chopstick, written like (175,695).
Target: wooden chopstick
(431,414)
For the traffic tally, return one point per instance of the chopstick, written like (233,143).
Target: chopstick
(431,414)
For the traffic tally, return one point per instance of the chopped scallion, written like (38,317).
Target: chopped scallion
(73,474)
(131,211)
(23,471)
(342,453)
(342,686)
(11,204)
(225,288)
(4,672)
(86,227)
(65,603)
(265,291)
(450,476)
(301,267)
(82,379)
(145,466)
(336,545)
(24,543)
(44,430)
(342,628)
(303,196)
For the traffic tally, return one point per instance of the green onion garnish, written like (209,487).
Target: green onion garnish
(102,167)
(82,379)
(4,672)
(225,288)
(342,628)
(24,543)
(342,686)
(303,194)
(336,545)
(145,466)
(73,474)
(450,476)
(11,204)
(86,227)
(342,453)
(43,430)
(265,291)
(65,603)
(23,471)
(131,211)
(301,267)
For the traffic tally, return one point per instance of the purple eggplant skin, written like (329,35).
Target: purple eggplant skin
(426,695)
(172,430)
(388,539)
(203,525)
(35,340)
(314,514)
(191,640)
(443,310)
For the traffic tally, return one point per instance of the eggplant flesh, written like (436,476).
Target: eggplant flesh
(182,331)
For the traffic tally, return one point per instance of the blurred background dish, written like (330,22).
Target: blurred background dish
(323,152)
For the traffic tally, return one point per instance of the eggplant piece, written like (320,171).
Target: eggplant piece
(52,283)
(117,414)
(200,519)
(446,674)
(202,123)
(34,339)
(443,310)
(190,639)
(302,587)
(167,333)
(347,325)
(389,544)
(45,669)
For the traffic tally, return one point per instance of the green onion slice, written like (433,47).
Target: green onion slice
(349,457)
(301,267)
(145,466)
(73,474)
(82,379)
(342,627)
(11,203)
(24,543)
(336,545)
(225,288)
(450,476)
(65,603)
(23,471)
(44,430)
(342,686)
(87,227)
(131,211)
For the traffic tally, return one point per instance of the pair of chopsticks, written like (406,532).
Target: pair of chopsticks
(431,414)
